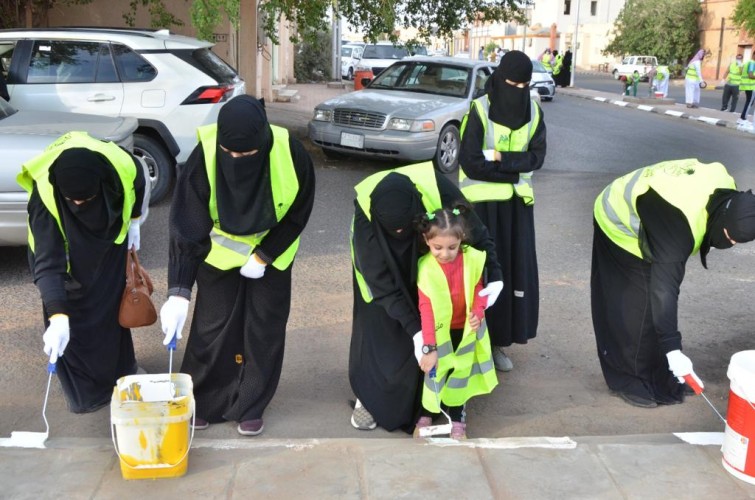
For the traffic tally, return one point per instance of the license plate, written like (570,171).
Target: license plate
(352,140)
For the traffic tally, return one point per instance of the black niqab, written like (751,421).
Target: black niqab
(91,227)
(510,105)
(733,211)
(244,190)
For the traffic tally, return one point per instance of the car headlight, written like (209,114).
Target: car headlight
(411,125)
(323,115)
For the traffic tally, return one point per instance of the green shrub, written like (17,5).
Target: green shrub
(313,61)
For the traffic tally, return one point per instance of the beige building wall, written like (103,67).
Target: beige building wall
(721,46)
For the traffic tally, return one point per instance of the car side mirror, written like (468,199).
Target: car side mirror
(365,81)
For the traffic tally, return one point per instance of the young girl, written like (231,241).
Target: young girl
(456,343)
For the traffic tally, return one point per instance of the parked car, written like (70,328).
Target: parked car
(643,64)
(412,111)
(172,84)
(378,56)
(542,82)
(350,57)
(25,134)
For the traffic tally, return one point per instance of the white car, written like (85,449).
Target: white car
(25,134)
(171,84)
(350,57)
(642,64)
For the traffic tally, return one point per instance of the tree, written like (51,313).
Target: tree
(312,61)
(744,16)
(666,29)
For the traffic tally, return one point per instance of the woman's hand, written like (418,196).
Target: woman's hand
(428,361)
(474,321)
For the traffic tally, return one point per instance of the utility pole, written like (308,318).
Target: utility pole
(336,29)
(576,46)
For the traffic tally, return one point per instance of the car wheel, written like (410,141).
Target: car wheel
(350,74)
(159,163)
(447,153)
(615,74)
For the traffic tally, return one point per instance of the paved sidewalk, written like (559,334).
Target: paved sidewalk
(621,467)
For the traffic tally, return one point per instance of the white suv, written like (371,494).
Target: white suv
(172,84)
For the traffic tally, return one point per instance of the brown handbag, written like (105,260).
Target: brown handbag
(137,308)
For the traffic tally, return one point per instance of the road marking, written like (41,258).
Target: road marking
(556,443)
(674,113)
(601,99)
(620,103)
(643,107)
(712,121)
(701,438)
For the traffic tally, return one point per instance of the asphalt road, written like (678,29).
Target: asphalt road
(710,97)
(555,388)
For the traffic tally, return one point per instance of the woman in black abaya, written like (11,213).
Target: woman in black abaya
(82,304)
(514,317)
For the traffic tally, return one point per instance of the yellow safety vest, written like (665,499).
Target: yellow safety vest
(661,72)
(422,176)
(468,370)
(558,64)
(692,73)
(500,138)
(685,184)
(735,74)
(228,250)
(546,62)
(747,83)
(37,169)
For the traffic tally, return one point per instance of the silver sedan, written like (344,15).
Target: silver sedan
(412,111)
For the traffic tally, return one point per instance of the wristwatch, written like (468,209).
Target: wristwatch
(428,348)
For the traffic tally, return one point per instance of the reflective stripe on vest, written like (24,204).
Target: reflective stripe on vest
(692,73)
(422,176)
(518,140)
(685,184)
(747,83)
(469,370)
(229,251)
(735,74)
(37,169)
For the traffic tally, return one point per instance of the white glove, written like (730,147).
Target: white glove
(680,365)
(56,336)
(252,269)
(173,316)
(418,343)
(492,291)
(134,234)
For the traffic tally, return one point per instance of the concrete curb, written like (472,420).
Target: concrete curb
(662,110)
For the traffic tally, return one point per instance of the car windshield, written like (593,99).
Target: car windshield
(6,109)
(537,67)
(384,52)
(346,51)
(428,78)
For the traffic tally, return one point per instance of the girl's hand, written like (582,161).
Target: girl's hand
(428,361)
(474,321)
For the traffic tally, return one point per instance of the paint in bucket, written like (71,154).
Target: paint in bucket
(659,95)
(150,418)
(739,448)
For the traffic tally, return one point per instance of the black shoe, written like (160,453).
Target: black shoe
(636,400)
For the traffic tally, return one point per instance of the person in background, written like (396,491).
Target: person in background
(240,205)
(481,53)
(747,83)
(646,226)
(693,79)
(631,83)
(546,60)
(566,69)
(386,326)
(455,340)
(732,77)
(85,201)
(503,143)
(661,79)
(558,60)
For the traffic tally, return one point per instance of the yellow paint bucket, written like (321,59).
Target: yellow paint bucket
(150,418)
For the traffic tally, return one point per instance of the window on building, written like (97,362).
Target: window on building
(567,7)
(594,8)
